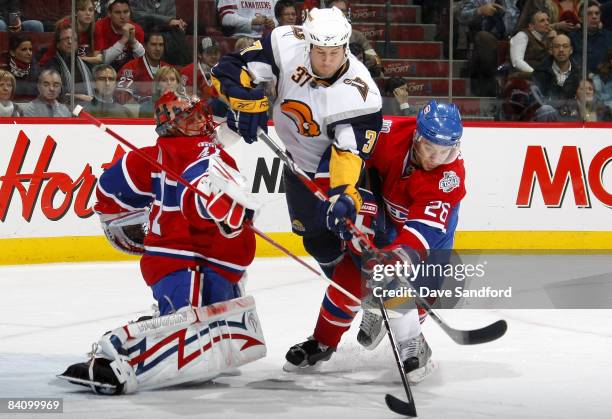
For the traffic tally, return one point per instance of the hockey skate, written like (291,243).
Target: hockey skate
(307,354)
(416,356)
(96,374)
(371,330)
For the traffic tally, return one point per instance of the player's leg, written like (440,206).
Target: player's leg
(189,348)
(306,221)
(335,317)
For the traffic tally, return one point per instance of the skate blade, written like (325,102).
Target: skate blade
(374,343)
(418,375)
(307,369)
(87,383)
(234,372)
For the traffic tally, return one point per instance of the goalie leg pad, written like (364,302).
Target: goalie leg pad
(193,344)
(227,336)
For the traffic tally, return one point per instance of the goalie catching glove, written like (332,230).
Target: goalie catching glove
(126,231)
(229,202)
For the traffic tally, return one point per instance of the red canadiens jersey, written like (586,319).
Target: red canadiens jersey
(105,37)
(422,204)
(181,234)
(135,80)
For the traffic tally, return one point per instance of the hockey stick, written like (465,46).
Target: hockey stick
(485,334)
(396,405)
(79,111)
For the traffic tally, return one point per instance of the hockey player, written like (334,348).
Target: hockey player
(194,253)
(420,180)
(326,112)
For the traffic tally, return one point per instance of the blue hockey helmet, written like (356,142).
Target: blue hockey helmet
(440,123)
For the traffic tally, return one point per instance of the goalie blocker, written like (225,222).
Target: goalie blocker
(193,344)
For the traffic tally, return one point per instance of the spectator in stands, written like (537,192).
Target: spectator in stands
(103,103)
(46,104)
(395,99)
(208,56)
(559,76)
(523,101)
(242,43)
(166,79)
(372,62)
(85,29)
(603,80)
(65,43)
(246,18)
(136,77)
(119,39)
(285,12)
(160,16)
(606,14)
(357,51)
(489,21)
(585,107)
(531,46)
(10,18)
(22,65)
(564,16)
(598,39)
(7,91)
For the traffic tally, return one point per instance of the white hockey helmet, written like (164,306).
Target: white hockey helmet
(326,27)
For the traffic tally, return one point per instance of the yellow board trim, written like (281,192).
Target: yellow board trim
(96,248)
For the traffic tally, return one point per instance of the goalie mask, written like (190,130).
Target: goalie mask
(179,115)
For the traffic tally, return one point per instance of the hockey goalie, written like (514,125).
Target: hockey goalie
(195,251)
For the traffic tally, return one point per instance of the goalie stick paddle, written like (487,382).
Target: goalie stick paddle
(462,337)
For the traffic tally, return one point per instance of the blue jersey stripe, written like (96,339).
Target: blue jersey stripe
(114,182)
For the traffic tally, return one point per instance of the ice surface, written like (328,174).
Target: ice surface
(551,364)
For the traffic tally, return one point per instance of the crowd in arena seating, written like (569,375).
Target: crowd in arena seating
(129,52)
(543,69)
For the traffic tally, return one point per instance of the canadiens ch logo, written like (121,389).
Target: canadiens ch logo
(449,182)
(301,115)
(361,86)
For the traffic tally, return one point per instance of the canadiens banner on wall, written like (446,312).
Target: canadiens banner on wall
(519,180)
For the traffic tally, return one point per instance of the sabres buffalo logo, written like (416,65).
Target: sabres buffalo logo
(301,115)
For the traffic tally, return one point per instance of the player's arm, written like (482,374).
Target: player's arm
(228,202)
(354,141)
(125,186)
(124,194)
(432,218)
(238,73)
(236,78)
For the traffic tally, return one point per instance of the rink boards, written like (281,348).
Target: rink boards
(528,188)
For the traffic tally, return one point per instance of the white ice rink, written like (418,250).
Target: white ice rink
(551,363)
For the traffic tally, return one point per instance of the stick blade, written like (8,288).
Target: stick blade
(483,335)
(401,407)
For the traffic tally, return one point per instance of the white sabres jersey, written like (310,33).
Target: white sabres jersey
(310,115)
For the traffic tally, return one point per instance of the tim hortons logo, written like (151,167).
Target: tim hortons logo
(57,190)
(570,170)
